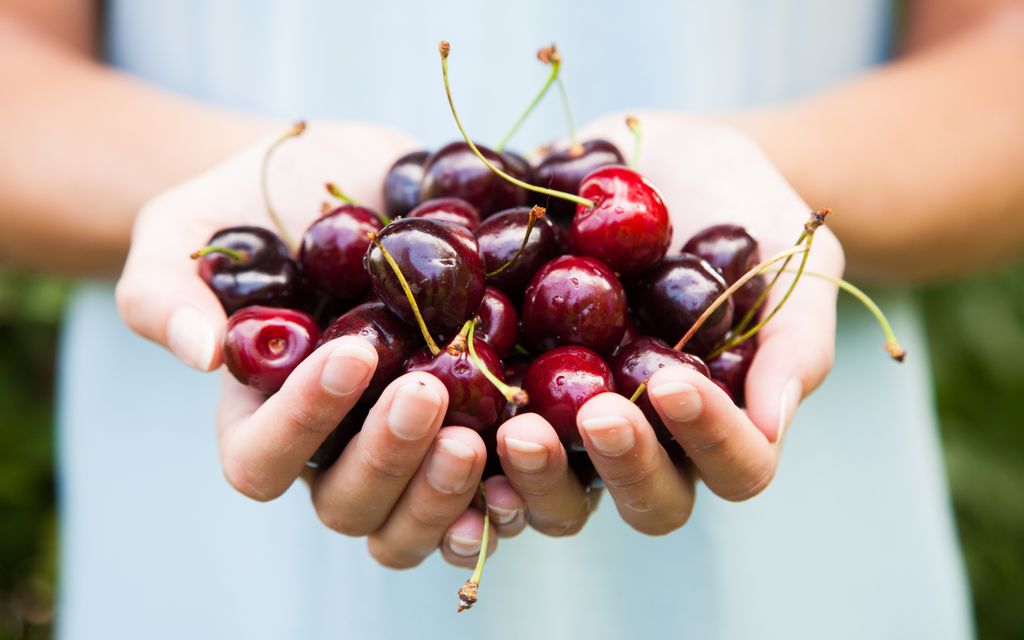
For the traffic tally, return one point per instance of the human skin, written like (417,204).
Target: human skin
(907,186)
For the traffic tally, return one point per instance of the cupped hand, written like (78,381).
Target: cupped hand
(708,174)
(403,481)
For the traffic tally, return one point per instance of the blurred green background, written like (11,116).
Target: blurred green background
(976,336)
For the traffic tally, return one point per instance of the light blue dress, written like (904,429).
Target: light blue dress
(853,540)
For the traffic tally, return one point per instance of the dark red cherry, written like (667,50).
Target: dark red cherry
(669,299)
(632,333)
(262,345)
(563,169)
(574,300)
(500,237)
(628,227)
(730,368)
(733,251)
(559,382)
(454,171)
(454,210)
(333,249)
(473,401)
(518,166)
(393,339)
(265,274)
(638,361)
(331,448)
(402,183)
(441,263)
(499,322)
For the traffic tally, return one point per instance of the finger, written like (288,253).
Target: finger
(264,446)
(355,495)
(462,541)
(535,464)
(796,348)
(651,494)
(160,296)
(734,458)
(507,508)
(437,495)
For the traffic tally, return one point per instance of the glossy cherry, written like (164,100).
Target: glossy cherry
(733,251)
(668,299)
(574,301)
(262,345)
(730,368)
(454,210)
(518,166)
(628,227)
(563,169)
(333,248)
(454,171)
(402,183)
(473,401)
(638,361)
(500,237)
(499,322)
(440,261)
(260,273)
(559,382)
(393,339)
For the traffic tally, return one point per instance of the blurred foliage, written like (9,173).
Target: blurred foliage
(976,334)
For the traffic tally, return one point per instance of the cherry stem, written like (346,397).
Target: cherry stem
(237,256)
(639,392)
(720,300)
(638,136)
(515,395)
(295,130)
(892,344)
(444,49)
(434,350)
(548,55)
(336,191)
(536,213)
(468,592)
(574,143)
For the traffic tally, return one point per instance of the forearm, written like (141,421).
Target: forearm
(921,160)
(85,147)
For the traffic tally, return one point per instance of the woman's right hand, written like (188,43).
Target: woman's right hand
(404,481)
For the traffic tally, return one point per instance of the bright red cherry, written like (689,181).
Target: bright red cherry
(733,251)
(454,171)
(454,210)
(262,345)
(574,301)
(500,237)
(564,169)
(402,183)
(499,322)
(628,227)
(559,382)
(333,248)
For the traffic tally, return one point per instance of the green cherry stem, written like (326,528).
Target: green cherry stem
(536,213)
(444,48)
(295,131)
(468,592)
(573,140)
(638,136)
(336,191)
(434,349)
(547,55)
(515,395)
(237,256)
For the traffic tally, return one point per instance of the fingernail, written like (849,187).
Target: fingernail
(502,516)
(413,409)
(791,394)
(460,546)
(191,337)
(526,456)
(611,436)
(450,466)
(348,367)
(679,400)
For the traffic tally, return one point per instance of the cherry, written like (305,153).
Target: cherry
(733,251)
(473,401)
(500,237)
(402,183)
(248,266)
(454,210)
(638,361)
(564,169)
(442,266)
(393,339)
(574,300)
(730,368)
(453,170)
(333,248)
(628,227)
(559,382)
(262,345)
(499,322)
(631,333)
(331,448)
(669,298)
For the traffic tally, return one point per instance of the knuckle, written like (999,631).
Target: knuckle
(308,419)
(382,467)
(387,555)
(246,481)
(628,477)
(334,519)
(429,517)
